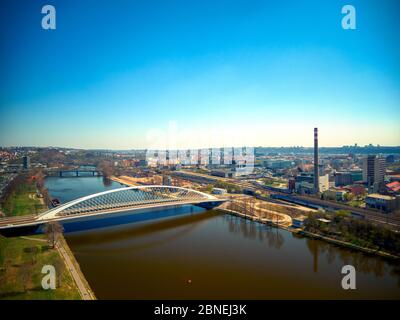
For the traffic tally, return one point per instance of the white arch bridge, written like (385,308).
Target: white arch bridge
(117,200)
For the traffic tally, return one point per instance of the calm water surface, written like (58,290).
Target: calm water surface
(205,254)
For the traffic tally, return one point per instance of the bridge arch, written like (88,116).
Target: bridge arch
(128,198)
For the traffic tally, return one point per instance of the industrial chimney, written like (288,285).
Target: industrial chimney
(316,177)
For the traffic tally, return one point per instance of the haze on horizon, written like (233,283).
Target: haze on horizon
(173,74)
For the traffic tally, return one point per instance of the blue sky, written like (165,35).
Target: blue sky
(133,74)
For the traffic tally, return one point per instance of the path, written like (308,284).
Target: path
(84,292)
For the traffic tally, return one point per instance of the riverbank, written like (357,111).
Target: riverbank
(124,180)
(347,244)
(70,262)
(312,235)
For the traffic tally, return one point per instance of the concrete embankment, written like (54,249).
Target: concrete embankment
(73,267)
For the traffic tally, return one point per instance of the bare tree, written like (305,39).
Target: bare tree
(53,231)
(107,168)
(26,273)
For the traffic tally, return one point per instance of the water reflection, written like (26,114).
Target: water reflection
(363,262)
(254,230)
(107,182)
(108,238)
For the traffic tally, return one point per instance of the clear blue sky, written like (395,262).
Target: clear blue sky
(125,74)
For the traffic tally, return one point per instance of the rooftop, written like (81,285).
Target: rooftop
(394,186)
(380,196)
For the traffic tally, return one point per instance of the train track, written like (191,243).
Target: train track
(17,220)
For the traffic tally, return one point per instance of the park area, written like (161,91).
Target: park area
(21,263)
(22,198)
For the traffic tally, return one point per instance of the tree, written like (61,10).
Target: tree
(348,197)
(107,168)
(39,178)
(26,273)
(53,231)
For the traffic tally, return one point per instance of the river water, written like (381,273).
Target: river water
(198,254)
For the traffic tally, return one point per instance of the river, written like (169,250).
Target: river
(198,254)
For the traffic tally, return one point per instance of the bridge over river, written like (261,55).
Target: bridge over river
(114,201)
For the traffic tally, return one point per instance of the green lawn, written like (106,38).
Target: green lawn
(23,201)
(21,262)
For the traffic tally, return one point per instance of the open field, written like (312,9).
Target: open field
(21,262)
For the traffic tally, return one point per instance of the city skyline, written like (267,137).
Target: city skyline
(137,75)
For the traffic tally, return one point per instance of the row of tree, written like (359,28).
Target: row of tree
(361,232)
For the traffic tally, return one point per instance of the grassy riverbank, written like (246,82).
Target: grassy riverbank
(342,227)
(21,262)
(22,199)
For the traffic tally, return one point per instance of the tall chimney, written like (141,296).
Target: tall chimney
(316,177)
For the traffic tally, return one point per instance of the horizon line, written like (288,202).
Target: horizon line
(160,149)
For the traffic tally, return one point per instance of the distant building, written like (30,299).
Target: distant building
(343,179)
(356,189)
(298,222)
(390,159)
(142,163)
(219,191)
(323,182)
(221,173)
(304,183)
(332,194)
(393,187)
(373,170)
(356,175)
(382,202)
(26,162)
(394,177)
(305,177)
(278,163)
(291,184)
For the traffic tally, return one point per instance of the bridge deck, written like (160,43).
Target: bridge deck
(33,220)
